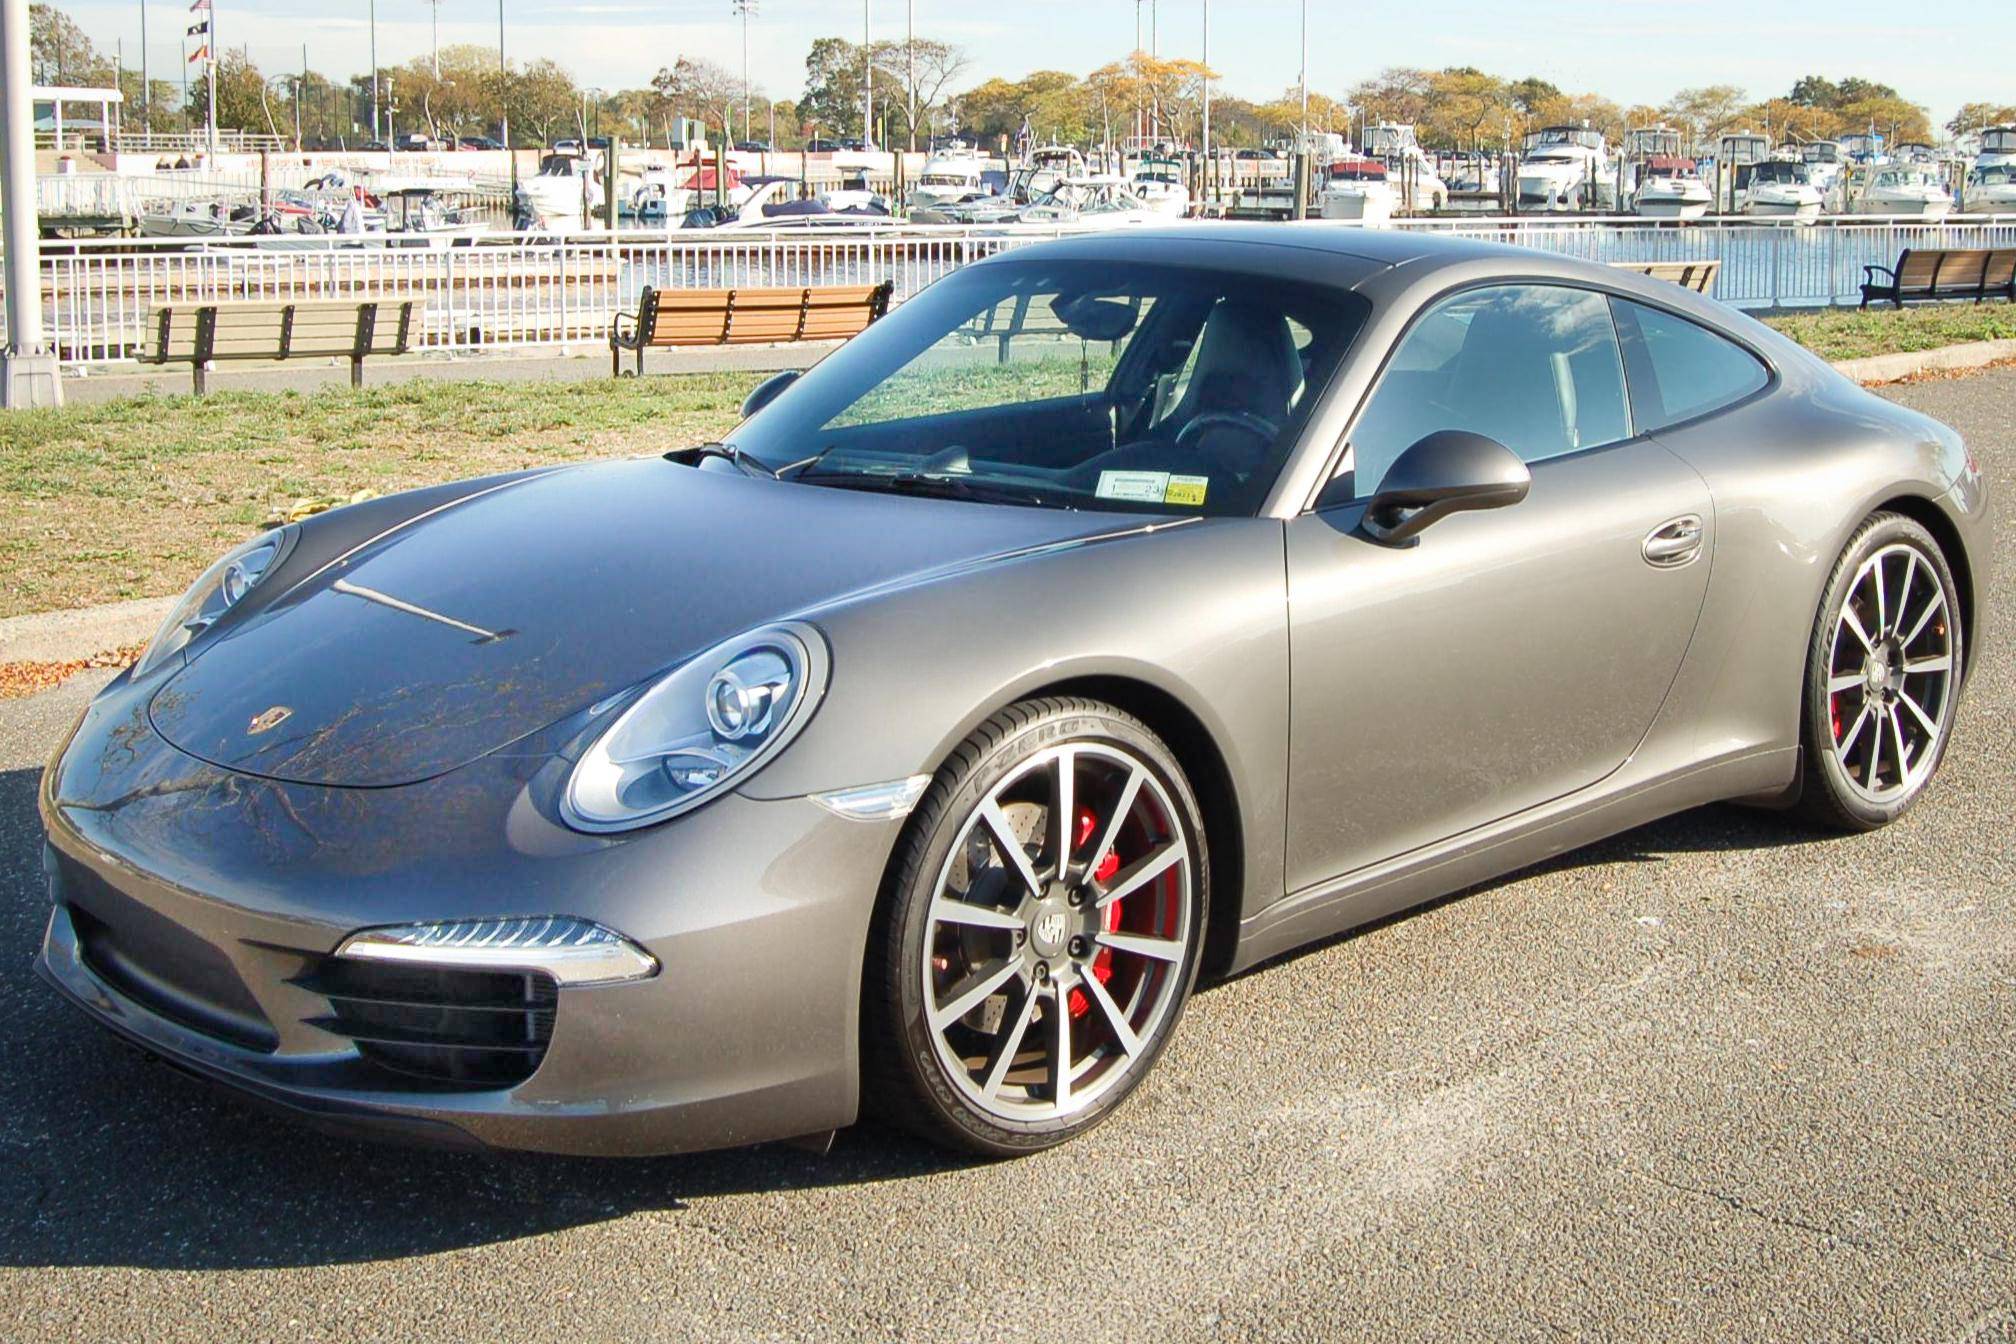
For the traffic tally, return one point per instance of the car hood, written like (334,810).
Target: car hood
(511,610)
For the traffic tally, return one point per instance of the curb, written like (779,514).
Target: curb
(1910,363)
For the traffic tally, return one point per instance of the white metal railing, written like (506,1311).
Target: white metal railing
(521,290)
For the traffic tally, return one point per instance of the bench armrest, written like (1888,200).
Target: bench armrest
(1869,274)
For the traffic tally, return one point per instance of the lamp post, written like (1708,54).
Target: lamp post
(745,8)
(28,375)
(374,70)
(867,79)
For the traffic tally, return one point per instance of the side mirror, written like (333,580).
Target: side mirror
(1450,471)
(768,391)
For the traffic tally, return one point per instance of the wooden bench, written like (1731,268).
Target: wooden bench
(668,317)
(1975,273)
(1698,276)
(353,329)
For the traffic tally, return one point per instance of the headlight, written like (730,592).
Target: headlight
(702,728)
(222,587)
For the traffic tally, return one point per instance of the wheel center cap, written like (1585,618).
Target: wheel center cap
(1050,927)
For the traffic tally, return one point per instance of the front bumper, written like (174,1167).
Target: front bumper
(222,887)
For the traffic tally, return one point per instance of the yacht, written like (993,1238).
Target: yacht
(1669,187)
(1357,188)
(1160,182)
(566,194)
(1827,166)
(1418,187)
(949,177)
(854,193)
(1905,189)
(1566,168)
(1777,189)
(1991,190)
(1998,147)
(1101,200)
(1864,147)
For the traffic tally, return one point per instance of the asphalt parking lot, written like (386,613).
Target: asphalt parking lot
(1718,1078)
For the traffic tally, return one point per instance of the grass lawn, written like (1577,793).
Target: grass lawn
(1845,333)
(134,498)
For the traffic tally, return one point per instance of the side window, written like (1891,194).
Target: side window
(1536,367)
(1680,370)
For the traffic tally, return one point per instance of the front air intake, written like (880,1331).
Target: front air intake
(452,1028)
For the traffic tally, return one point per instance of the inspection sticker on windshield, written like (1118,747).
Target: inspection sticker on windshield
(1186,490)
(1137,487)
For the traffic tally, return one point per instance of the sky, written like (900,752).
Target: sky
(1941,55)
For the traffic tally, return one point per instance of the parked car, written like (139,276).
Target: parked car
(823,147)
(1355,568)
(478,142)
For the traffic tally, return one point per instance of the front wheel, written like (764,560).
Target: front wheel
(1040,931)
(1882,676)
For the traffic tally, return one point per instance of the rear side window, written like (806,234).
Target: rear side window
(1535,367)
(1680,370)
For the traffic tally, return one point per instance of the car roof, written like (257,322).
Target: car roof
(1336,255)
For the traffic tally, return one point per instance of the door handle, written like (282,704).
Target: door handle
(1675,543)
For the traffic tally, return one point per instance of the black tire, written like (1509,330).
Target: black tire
(1831,794)
(904,1079)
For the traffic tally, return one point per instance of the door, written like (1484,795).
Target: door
(1507,657)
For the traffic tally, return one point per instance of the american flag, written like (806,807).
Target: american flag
(199,5)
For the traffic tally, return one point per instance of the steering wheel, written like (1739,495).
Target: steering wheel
(1259,426)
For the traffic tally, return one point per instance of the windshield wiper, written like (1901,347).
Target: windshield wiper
(930,485)
(727,452)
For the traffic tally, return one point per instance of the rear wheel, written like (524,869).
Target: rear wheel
(1040,932)
(1882,676)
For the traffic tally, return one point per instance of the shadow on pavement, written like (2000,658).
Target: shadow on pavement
(109,1158)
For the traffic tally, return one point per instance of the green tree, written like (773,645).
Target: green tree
(1973,116)
(241,101)
(60,53)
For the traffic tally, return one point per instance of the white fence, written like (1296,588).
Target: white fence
(523,292)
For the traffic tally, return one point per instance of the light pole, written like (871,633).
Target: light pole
(374,70)
(28,374)
(1305,71)
(745,8)
(911,39)
(1207,82)
(436,6)
(867,79)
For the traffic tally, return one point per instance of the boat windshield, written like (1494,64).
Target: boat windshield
(1822,151)
(1778,170)
(1999,140)
(1112,385)
(1996,175)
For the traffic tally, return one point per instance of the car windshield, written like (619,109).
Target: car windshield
(1069,384)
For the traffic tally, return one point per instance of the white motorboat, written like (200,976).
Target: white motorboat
(1777,189)
(1160,183)
(854,193)
(1670,188)
(1417,186)
(1907,190)
(948,178)
(665,196)
(1357,188)
(1566,168)
(1103,200)
(1827,167)
(428,214)
(565,195)
(1998,147)
(1864,148)
(1991,190)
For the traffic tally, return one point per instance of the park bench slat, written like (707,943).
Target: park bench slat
(756,315)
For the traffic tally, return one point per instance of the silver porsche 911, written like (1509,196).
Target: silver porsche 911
(1117,610)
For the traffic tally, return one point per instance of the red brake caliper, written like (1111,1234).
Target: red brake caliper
(1102,964)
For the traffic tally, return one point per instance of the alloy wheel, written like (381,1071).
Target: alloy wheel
(1890,672)
(1059,933)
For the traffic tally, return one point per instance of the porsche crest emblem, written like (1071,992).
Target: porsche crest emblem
(267,720)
